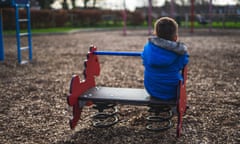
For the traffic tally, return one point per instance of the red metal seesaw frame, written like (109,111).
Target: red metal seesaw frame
(182,101)
(77,87)
(92,69)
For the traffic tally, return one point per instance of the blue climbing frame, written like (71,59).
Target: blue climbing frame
(16,4)
(119,53)
(1,38)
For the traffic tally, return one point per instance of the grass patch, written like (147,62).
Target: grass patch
(110,24)
(227,25)
(40,31)
(53,30)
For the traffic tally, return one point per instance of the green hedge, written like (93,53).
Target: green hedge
(70,18)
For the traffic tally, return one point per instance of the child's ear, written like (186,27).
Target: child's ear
(175,38)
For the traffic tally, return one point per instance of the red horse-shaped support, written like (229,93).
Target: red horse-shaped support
(182,101)
(77,87)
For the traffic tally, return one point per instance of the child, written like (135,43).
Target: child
(163,59)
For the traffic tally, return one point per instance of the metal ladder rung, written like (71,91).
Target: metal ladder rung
(23,34)
(23,20)
(24,62)
(20,5)
(24,48)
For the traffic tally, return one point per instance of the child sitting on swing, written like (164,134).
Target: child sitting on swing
(163,59)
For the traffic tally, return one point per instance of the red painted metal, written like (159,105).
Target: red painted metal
(182,102)
(172,9)
(77,87)
(149,17)
(192,16)
(124,14)
(210,16)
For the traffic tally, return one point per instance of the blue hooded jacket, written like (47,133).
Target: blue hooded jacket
(163,61)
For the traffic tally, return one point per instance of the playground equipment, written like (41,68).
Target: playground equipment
(18,4)
(202,22)
(86,93)
(124,13)
(192,16)
(149,17)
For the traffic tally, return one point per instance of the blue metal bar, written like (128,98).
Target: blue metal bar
(118,53)
(1,38)
(29,32)
(18,34)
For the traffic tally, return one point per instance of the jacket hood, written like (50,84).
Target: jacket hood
(176,47)
(161,53)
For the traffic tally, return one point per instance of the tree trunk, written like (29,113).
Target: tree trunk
(85,3)
(94,3)
(45,4)
(73,4)
(64,4)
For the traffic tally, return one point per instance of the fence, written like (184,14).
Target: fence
(71,18)
(95,18)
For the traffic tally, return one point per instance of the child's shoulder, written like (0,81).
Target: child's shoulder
(176,47)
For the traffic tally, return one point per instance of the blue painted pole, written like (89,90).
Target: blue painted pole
(18,34)
(29,32)
(1,38)
(118,53)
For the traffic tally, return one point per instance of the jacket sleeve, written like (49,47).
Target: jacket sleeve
(143,55)
(184,60)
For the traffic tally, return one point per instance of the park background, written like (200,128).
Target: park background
(105,13)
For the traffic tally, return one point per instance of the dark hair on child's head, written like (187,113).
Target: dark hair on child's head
(166,28)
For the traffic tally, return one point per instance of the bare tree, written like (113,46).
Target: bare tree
(94,2)
(64,4)
(45,4)
(73,3)
(154,2)
(85,3)
(182,2)
(202,2)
